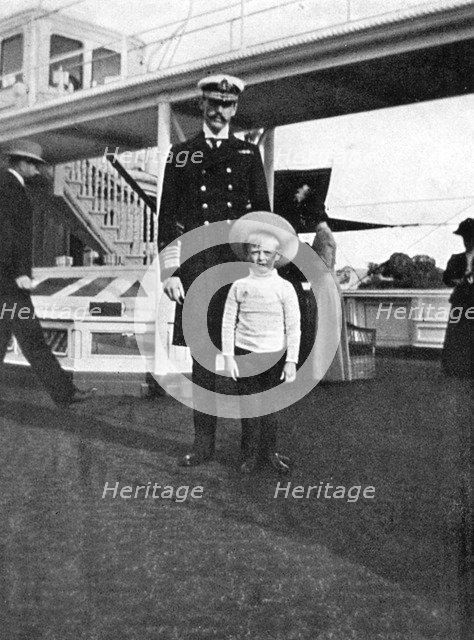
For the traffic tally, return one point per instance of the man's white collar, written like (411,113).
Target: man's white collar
(18,176)
(222,135)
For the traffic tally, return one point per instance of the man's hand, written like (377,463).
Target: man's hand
(26,283)
(173,288)
(289,372)
(230,367)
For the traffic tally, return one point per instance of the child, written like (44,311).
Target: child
(261,321)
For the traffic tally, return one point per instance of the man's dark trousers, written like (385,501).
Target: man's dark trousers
(17,317)
(203,372)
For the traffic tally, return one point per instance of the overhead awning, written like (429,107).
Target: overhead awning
(424,53)
(413,170)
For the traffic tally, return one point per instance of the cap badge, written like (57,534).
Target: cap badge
(224,86)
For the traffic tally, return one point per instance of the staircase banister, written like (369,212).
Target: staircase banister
(133,184)
(95,231)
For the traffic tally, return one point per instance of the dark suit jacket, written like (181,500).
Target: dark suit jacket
(203,186)
(16,232)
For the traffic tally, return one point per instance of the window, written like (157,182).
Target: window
(65,71)
(114,344)
(11,60)
(105,63)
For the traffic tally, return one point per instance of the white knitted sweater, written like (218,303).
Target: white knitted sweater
(262,315)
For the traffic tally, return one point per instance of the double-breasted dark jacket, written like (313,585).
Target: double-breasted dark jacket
(16,233)
(203,186)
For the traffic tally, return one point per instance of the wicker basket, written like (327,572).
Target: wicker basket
(361,351)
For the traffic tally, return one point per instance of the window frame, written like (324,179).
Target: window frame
(19,73)
(76,55)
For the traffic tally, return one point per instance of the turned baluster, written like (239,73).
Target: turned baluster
(75,170)
(126,216)
(108,199)
(95,188)
(83,177)
(89,190)
(121,207)
(134,223)
(99,178)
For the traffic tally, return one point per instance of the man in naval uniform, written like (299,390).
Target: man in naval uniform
(210,178)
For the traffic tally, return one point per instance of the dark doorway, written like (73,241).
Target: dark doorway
(76,250)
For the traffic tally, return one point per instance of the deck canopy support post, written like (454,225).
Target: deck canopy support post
(163,145)
(267,142)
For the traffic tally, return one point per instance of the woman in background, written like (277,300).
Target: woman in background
(458,351)
(313,218)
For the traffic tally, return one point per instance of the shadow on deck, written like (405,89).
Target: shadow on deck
(394,566)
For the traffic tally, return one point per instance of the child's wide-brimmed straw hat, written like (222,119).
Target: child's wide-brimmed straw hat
(264,222)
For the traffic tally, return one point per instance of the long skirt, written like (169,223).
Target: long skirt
(458,350)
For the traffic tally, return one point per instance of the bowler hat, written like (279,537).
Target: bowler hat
(26,149)
(221,87)
(264,222)
(466,228)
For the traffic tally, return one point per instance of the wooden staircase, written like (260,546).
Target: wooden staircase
(123,226)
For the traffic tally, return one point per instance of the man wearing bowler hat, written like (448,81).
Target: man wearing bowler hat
(222,179)
(17,314)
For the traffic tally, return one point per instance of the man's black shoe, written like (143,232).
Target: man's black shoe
(281,463)
(193,459)
(79,395)
(248,466)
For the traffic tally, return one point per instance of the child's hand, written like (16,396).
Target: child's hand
(230,367)
(289,372)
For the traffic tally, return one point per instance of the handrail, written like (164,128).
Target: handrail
(132,183)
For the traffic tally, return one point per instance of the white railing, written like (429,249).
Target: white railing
(402,317)
(238,25)
(115,207)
